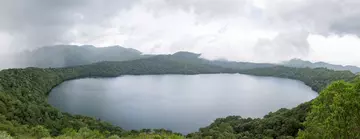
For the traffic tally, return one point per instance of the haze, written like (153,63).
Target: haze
(240,30)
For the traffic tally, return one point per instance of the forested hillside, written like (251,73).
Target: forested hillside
(25,112)
(317,78)
(298,63)
(189,57)
(283,124)
(335,112)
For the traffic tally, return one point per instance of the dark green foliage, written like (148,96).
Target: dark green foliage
(83,133)
(317,78)
(283,123)
(335,113)
(241,65)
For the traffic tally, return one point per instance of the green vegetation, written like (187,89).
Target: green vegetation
(335,113)
(317,78)
(283,124)
(24,110)
(85,133)
(188,57)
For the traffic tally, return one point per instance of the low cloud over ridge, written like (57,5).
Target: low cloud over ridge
(243,30)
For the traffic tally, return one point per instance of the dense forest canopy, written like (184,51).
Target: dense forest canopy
(335,113)
(317,78)
(24,110)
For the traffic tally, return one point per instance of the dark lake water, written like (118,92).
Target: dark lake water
(182,103)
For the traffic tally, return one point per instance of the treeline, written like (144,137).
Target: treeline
(23,92)
(317,78)
(282,124)
(39,132)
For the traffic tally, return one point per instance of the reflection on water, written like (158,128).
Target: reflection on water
(181,103)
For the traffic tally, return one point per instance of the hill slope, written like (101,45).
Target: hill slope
(72,55)
(195,58)
(23,92)
(303,64)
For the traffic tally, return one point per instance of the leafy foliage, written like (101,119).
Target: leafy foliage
(335,113)
(85,133)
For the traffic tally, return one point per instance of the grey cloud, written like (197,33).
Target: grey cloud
(317,16)
(191,42)
(284,46)
(348,25)
(212,8)
(35,23)
(44,22)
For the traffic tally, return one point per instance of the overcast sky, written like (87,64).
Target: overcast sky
(242,30)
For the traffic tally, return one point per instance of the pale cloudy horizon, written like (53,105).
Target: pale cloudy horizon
(240,30)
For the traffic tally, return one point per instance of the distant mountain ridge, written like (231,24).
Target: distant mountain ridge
(73,55)
(298,63)
(194,58)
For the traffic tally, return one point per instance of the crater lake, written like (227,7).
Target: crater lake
(181,103)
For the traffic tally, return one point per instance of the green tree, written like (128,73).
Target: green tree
(4,135)
(335,113)
(40,132)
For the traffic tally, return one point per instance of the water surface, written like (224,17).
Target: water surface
(181,103)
